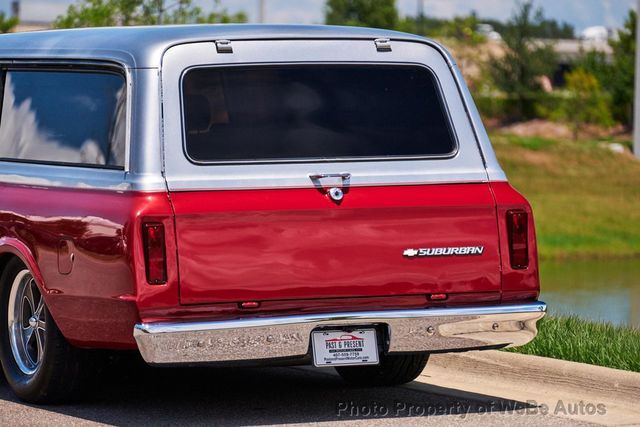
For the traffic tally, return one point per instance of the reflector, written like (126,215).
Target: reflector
(250,304)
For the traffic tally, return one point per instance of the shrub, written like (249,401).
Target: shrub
(525,60)
(584,102)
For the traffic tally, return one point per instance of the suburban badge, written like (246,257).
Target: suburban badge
(456,250)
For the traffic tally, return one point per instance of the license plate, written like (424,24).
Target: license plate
(340,348)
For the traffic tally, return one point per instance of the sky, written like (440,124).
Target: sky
(580,13)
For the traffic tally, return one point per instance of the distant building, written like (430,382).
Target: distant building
(570,51)
(488,31)
(25,26)
(597,34)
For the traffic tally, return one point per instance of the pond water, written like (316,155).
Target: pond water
(597,290)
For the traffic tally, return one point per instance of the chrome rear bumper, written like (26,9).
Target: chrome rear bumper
(423,330)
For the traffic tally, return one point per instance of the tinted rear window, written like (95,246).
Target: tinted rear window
(313,112)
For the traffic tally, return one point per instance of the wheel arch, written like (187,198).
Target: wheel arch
(14,248)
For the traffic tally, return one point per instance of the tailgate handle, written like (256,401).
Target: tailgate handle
(336,193)
(344,175)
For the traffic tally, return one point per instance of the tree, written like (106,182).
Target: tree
(104,13)
(616,76)
(620,81)
(585,102)
(362,13)
(7,24)
(518,72)
(460,27)
(544,29)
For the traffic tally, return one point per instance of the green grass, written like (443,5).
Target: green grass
(574,339)
(586,204)
(585,198)
(531,142)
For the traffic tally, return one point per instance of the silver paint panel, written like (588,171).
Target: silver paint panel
(140,50)
(143,47)
(466,166)
(146,157)
(494,170)
(424,330)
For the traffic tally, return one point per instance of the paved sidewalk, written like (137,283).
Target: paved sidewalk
(565,389)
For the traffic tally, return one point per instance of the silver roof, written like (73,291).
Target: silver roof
(143,47)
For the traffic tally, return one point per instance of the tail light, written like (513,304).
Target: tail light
(517,228)
(154,253)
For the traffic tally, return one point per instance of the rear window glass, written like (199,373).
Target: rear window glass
(291,113)
(68,117)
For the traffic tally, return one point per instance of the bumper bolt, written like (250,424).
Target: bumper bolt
(431,330)
(495,326)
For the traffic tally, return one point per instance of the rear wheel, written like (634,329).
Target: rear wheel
(392,370)
(39,364)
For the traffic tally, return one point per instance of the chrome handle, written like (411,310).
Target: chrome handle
(335,192)
(344,175)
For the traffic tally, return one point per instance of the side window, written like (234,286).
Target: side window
(67,117)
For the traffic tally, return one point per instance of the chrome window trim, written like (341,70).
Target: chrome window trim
(77,177)
(48,175)
(64,164)
(308,160)
(183,175)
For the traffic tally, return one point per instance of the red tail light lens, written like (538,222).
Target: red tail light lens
(154,253)
(517,227)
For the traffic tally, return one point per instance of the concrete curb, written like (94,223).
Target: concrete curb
(596,381)
(568,390)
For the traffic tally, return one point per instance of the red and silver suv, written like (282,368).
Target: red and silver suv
(265,194)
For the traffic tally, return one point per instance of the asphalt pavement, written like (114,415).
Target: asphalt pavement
(131,393)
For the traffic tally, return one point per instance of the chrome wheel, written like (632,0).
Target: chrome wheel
(27,325)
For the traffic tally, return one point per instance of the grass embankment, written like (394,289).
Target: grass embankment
(585,198)
(577,340)
(586,204)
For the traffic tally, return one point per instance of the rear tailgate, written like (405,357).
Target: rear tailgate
(296,244)
(247,135)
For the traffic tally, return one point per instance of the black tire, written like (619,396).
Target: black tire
(392,370)
(61,368)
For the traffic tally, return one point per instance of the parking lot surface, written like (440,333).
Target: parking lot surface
(131,393)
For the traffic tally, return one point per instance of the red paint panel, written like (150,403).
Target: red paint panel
(95,300)
(259,245)
(294,251)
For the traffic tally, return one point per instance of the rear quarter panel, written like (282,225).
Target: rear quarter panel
(97,303)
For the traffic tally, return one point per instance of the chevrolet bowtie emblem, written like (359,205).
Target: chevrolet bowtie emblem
(410,252)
